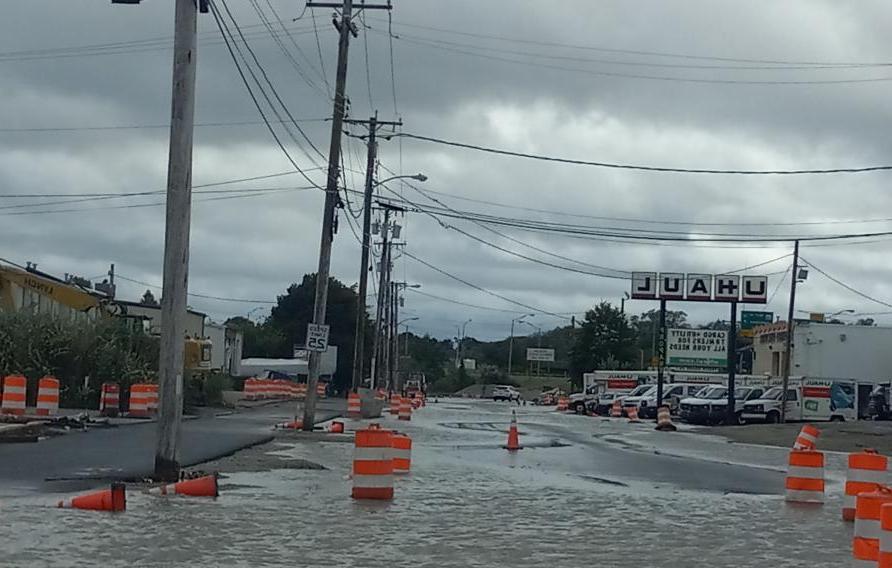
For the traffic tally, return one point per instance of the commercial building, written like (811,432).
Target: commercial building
(827,350)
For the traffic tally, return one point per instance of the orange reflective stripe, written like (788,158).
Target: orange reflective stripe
(858,487)
(384,467)
(802,484)
(868,461)
(806,458)
(373,492)
(865,548)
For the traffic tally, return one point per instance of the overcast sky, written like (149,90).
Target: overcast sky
(550,93)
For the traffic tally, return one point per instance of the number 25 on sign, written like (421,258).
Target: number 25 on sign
(317,337)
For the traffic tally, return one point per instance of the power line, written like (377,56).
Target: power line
(481,289)
(664,78)
(232,46)
(392,66)
(297,47)
(319,52)
(142,126)
(457,302)
(665,54)
(846,286)
(646,168)
(197,295)
(779,284)
(662,222)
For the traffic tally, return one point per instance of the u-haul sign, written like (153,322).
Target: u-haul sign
(700,287)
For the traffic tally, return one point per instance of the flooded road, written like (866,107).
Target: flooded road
(583,491)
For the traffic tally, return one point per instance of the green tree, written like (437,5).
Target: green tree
(260,340)
(294,310)
(605,340)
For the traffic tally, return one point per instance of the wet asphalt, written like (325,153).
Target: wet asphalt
(583,491)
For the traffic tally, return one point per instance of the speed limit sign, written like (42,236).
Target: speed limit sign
(317,337)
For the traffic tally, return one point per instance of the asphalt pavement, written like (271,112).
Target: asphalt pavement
(80,459)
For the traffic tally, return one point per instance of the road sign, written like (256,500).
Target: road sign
(317,337)
(697,348)
(538,354)
(699,287)
(749,320)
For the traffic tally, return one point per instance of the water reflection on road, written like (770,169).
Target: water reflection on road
(584,491)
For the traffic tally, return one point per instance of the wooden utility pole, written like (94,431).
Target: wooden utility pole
(382,295)
(176,243)
(394,335)
(359,340)
(789,341)
(345,27)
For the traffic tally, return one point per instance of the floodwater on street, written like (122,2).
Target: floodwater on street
(584,491)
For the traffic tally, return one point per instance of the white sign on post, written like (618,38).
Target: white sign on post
(317,337)
(539,354)
(697,348)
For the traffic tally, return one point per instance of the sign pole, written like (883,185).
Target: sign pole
(662,353)
(732,365)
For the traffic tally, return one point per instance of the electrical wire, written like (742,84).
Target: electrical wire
(297,47)
(197,295)
(319,51)
(224,30)
(368,71)
(481,289)
(396,111)
(664,78)
(459,303)
(779,284)
(646,168)
(141,126)
(665,54)
(847,286)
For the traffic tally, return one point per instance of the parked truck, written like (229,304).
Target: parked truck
(808,399)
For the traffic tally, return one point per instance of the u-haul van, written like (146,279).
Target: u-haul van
(808,399)
(603,386)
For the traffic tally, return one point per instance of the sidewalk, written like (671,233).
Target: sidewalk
(82,459)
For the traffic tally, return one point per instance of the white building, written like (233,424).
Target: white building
(226,347)
(827,350)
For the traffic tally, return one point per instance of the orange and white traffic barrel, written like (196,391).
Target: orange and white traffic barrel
(109,399)
(402,453)
(405,409)
(563,403)
(302,390)
(380,394)
(866,537)
(866,470)
(354,406)
(395,401)
(47,396)
(14,388)
(632,413)
(807,438)
(805,477)
(616,411)
(664,420)
(139,400)
(884,559)
(373,464)
(320,390)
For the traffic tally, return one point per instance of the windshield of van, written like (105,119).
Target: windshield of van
(639,390)
(715,393)
(773,393)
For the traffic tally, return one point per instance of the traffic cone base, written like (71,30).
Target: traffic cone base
(113,499)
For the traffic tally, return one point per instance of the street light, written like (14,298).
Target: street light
(417,177)
(511,339)
(461,338)
(407,335)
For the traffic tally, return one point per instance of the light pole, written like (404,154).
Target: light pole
(359,334)
(511,339)
(622,302)
(401,322)
(461,340)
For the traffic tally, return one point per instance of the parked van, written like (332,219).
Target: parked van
(813,400)
(711,405)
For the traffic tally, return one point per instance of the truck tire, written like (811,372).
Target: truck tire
(772,417)
(837,418)
(579,408)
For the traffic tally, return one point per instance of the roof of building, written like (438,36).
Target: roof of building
(148,307)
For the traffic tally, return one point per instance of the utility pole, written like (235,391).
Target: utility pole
(359,338)
(394,335)
(789,342)
(176,243)
(382,294)
(345,27)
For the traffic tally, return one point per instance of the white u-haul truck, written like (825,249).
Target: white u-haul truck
(812,400)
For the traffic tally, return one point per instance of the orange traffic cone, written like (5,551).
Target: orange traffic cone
(294,425)
(201,487)
(513,438)
(114,499)
(336,427)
